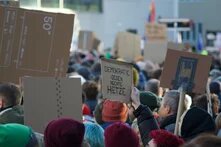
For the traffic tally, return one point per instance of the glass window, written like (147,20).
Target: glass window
(50,3)
(28,3)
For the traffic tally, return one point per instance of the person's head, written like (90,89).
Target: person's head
(204,140)
(98,113)
(64,132)
(10,95)
(90,90)
(120,135)
(169,104)
(163,138)
(153,85)
(16,135)
(150,99)
(201,101)
(215,87)
(195,121)
(114,111)
(94,135)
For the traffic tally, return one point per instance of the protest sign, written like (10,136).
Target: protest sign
(33,43)
(156,32)
(86,40)
(47,98)
(116,80)
(127,46)
(185,69)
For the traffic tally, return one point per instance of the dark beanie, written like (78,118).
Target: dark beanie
(64,132)
(195,122)
(150,99)
(214,87)
(120,135)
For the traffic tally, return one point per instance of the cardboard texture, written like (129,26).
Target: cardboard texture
(127,46)
(33,43)
(187,69)
(116,80)
(156,32)
(156,50)
(86,40)
(11,3)
(47,98)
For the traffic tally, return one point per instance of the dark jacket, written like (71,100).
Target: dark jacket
(13,114)
(169,123)
(146,122)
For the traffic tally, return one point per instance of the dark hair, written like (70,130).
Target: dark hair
(201,102)
(11,94)
(90,89)
(204,140)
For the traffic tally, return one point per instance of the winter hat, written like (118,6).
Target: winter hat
(150,99)
(195,121)
(214,87)
(120,135)
(86,110)
(215,73)
(14,135)
(114,111)
(164,138)
(94,134)
(64,132)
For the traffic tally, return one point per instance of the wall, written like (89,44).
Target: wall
(119,15)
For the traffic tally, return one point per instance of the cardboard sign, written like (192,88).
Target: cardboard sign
(86,40)
(186,69)
(116,80)
(156,32)
(156,50)
(33,43)
(127,46)
(47,98)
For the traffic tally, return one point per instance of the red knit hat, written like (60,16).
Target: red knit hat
(114,111)
(120,135)
(64,132)
(164,138)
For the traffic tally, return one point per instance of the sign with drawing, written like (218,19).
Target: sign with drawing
(185,69)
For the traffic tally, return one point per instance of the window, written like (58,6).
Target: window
(77,5)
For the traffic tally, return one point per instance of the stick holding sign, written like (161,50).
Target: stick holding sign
(184,66)
(116,80)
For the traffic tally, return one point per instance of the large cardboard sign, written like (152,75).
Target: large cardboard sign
(156,32)
(47,98)
(127,46)
(185,69)
(156,50)
(116,80)
(33,43)
(86,40)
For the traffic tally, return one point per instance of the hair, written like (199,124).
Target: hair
(218,122)
(204,140)
(157,73)
(94,134)
(153,86)
(90,89)
(171,99)
(202,102)
(10,93)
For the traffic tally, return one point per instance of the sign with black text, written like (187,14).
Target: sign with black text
(117,78)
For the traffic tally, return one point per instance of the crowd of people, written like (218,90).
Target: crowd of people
(149,120)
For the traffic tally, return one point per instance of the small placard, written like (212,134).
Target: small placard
(116,80)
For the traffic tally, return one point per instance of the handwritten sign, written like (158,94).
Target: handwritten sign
(156,31)
(116,80)
(185,69)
